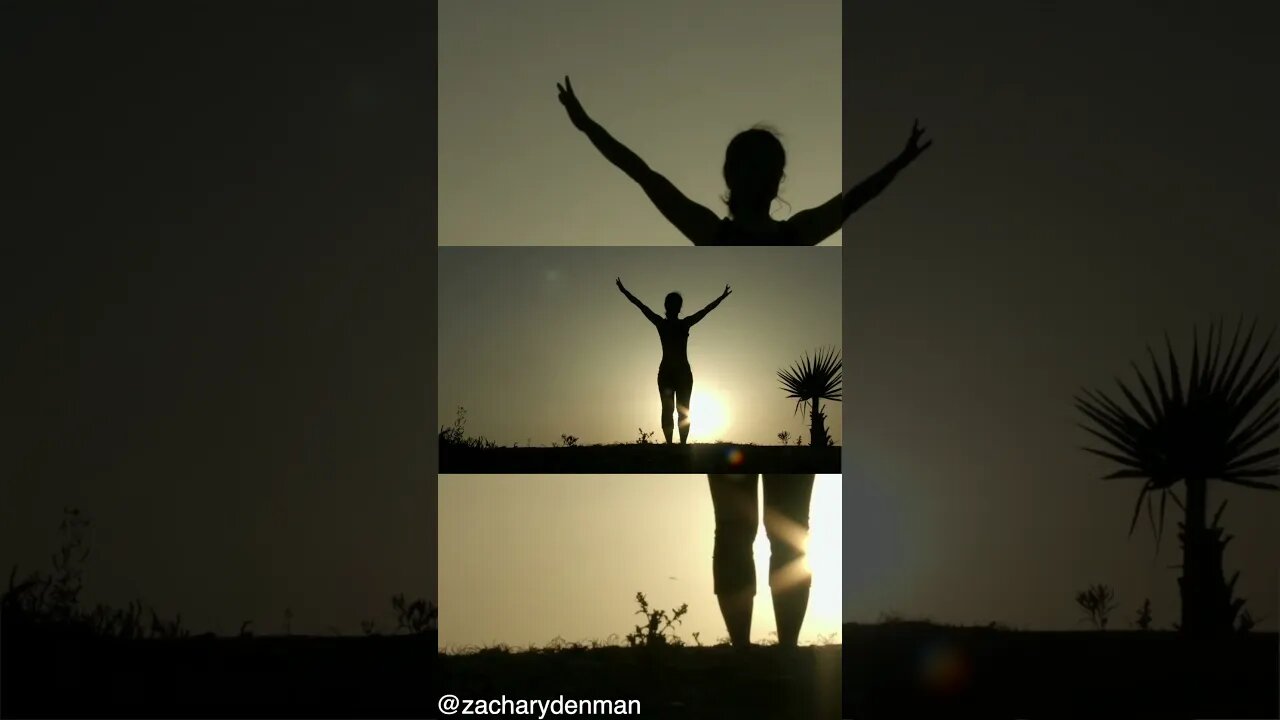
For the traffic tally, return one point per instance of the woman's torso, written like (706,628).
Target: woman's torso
(730,232)
(674,334)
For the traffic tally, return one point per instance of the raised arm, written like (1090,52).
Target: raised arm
(817,224)
(694,221)
(653,316)
(694,318)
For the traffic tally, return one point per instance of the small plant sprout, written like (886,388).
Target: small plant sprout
(569,440)
(653,633)
(1097,602)
(455,436)
(1245,622)
(417,617)
(167,631)
(645,437)
(784,437)
(1143,621)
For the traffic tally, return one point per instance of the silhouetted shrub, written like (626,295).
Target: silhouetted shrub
(1097,602)
(1143,621)
(456,435)
(52,601)
(418,617)
(811,380)
(1246,622)
(657,624)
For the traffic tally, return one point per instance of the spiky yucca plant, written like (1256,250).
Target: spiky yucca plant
(813,379)
(1209,430)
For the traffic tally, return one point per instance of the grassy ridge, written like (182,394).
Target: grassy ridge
(893,670)
(59,674)
(907,669)
(637,458)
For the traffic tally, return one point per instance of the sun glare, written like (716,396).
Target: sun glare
(708,417)
(824,617)
(826,539)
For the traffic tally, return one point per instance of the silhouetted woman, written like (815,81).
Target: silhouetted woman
(754,165)
(786,524)
(675,377)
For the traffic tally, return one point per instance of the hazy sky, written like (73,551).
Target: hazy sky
(538,342)
(672,80)
(1101,173)
(533,557)
(216,305)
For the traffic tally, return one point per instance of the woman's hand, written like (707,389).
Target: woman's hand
(726,292)
(913,148)
(619,282)
(569,100)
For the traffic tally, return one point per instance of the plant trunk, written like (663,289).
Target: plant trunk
(817,428)
(1195,581)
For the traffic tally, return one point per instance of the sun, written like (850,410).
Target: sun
(708,417)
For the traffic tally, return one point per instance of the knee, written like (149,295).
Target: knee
(785,531)
(785,551)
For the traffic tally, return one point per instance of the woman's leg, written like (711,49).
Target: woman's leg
(732,567)
(684,393)
(668,395)
(786,523)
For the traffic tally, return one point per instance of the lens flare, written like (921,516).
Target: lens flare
(944,669)
(735,457)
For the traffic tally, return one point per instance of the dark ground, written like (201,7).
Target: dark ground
(62,675)
(920,670)
(648,459)
(669,682)
(896,670)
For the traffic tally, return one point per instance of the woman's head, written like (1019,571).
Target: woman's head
(753,170)
(673,304)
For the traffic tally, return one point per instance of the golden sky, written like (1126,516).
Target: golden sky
(674,81)
(528,558)
(539,342)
